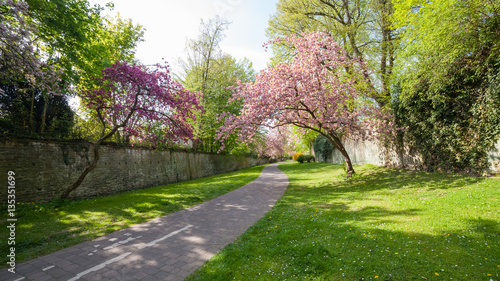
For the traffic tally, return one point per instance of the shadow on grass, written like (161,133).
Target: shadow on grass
(350,252)
(374,226)
(47,227)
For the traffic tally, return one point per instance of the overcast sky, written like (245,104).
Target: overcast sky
(169,23)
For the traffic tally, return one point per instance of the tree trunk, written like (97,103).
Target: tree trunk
(97,144)
(44,114)
(340,147)
(87,170)
(32,109)
(92,166)
(348,163)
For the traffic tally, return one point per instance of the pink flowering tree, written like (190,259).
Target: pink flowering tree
(277,142)
(318,90)
(138,101)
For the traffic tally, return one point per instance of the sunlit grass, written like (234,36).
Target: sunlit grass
(47,227)
(383,224)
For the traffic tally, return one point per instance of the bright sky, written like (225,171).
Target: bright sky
(169,23)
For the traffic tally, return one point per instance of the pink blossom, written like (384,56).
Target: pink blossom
(319,90)
(145,104)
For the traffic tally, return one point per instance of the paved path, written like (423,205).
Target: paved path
(166,248)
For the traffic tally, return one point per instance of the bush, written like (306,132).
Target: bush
(296,155)
(305,158)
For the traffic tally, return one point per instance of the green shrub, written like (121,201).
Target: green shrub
(305,158)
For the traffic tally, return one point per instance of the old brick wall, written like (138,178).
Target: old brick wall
(44,169)
(372,152)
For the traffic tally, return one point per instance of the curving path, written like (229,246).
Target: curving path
(166,248)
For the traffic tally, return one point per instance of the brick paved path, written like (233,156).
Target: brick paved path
(166,248)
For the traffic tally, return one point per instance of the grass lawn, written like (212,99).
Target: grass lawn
(47,227)
(383,224)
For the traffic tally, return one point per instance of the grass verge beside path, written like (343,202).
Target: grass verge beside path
(383,224)
(47,227)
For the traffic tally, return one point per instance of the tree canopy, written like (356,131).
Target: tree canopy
(54,48)
(317,91)
(447,89)
(209,70)
(361,27)
(146,104)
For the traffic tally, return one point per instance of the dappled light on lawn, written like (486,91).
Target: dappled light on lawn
(389,223)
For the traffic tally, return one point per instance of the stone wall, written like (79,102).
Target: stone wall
(44,169)
(372,152)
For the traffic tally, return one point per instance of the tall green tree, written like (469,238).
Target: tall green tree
(73,35)
(203,50)
(210,71)
(63,27)
(434,35)
(115,39)
(22,71)
(362,27)
(72,41)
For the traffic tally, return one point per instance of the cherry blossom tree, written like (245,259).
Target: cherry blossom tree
(319,90)
(277,143)
(138,101)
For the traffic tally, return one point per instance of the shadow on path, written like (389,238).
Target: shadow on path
(166,248)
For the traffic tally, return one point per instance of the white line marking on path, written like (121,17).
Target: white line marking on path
(119,243)
(100,266)
(164,237)
(19,279)
(49,267)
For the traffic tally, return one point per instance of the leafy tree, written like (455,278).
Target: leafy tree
(302,139)
(139,101)
(212,72)
(314,92)
(448,90)
(64,28)
(20,112)
(70,44)
(20,65)
(363,27)
(115,39)
(204,50)
(437,34)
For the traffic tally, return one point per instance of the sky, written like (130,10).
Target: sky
(169,23)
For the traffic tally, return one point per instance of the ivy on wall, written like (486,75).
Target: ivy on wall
(322,148)
(455,126)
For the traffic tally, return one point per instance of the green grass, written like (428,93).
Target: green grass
(47,227)
(383,224)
